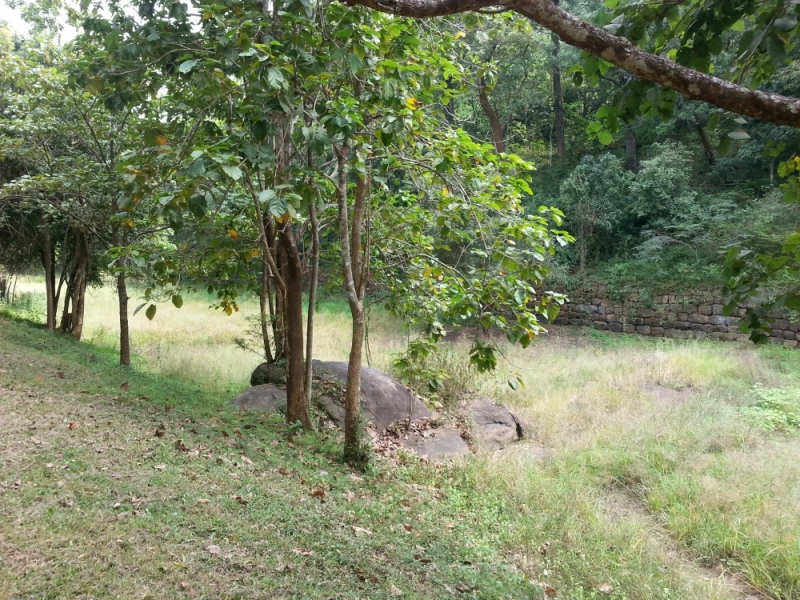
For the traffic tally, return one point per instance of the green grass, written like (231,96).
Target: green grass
(641,494)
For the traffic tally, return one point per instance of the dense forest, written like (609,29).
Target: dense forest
(467,169)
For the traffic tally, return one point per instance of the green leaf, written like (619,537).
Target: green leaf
(233,172)
(150,312)
(198,205)
(739,135)
(786,23)
(738,26)
(605,138)
(177,301)
(275,78)
(188,65)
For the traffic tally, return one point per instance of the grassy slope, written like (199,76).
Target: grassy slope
(107,509)
(624,470)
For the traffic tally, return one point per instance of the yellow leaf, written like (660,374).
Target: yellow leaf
(283,218)
(233,234)
(254,252)
(412,103)
(460,35)
(445,191)
(228,310)
(161,140)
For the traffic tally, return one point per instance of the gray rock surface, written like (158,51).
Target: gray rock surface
(383,399)
(495,425)
(268,373)
(263,398)
(444,443)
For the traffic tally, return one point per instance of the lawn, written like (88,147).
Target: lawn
(647,473)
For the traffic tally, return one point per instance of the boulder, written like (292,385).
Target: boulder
(262,398)
(384,400)
(268,373)
(444,443)
(495,425)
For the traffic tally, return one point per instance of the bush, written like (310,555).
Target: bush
(776,410)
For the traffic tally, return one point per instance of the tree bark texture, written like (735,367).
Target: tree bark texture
(75,296)
(491,114)
(769,107)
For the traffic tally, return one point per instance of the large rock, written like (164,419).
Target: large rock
(268,373)
(263,398)
(495,425)
(444,443)
(383,399)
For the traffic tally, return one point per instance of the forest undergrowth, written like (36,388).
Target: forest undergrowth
(665,473)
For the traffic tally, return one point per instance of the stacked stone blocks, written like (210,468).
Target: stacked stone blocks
(682,316)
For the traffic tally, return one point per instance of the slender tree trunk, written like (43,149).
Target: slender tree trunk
(120,239)
(312,301)
(558,104)
(265,305)
(701,131)
(296,405)
(49,275)
(81,282)
(491,114)
(355,287)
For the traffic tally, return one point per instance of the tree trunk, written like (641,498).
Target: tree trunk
(701,131)
(355,286)
(296,405)
(312,301)
(558,103)
(266,308)
(491,114)
(120,239)
(49,275)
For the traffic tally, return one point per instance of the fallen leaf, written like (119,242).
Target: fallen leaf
(213,550)
(36,442)
(159,432)
(60,374)
(159,467)
(203,501)
(246,460)
(179,445)
(123,386)
(396,591)
(241,500)
(350,496)
(283,471)
(606,588)
(49,465)
(407,527)
(318,493)
(323,473)
(3,371)
(74,425)
(355,478)
(281,568)
(185,586)
(424,561)
(301,552)
(362,530)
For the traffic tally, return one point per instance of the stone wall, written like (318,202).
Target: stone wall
(685,316)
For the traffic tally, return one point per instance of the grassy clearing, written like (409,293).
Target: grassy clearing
(656,481)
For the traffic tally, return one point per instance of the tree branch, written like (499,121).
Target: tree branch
(772,108)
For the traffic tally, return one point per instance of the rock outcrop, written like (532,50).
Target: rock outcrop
(384,400)
(495,425)
(262,398)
